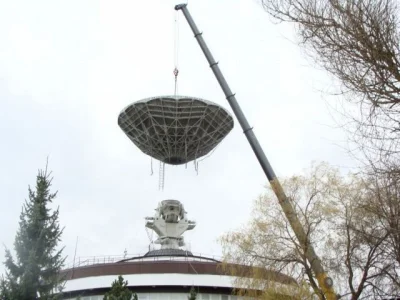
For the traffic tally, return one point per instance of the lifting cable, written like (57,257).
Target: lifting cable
(176,50)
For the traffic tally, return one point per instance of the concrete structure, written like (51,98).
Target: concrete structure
(167,273)
(175,129)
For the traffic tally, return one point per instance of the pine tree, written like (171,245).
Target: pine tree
(193,294)
(120,291)
(34,273)
(4,290)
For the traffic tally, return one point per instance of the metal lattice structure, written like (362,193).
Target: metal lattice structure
(175,129)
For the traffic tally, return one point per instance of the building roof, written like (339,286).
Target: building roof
(166,268)
(168,252)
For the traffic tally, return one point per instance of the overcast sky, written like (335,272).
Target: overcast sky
(67,68)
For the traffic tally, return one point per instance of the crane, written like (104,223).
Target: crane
(324,281)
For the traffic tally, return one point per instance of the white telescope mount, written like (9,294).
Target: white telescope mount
(169,223)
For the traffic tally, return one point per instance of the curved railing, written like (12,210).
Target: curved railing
(84,261)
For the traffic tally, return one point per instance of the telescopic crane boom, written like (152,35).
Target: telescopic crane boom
(325,283)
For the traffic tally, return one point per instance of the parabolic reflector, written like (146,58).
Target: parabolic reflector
(175,129)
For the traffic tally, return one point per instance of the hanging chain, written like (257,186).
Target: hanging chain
(161,176)
(176,51)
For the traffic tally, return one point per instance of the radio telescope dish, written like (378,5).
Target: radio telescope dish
(175,129)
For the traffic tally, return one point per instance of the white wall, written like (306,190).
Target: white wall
(169,296)
(150,280)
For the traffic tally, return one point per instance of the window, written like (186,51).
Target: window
(155,296)
(205,297)
(174,296)
(215,297)
(143,296)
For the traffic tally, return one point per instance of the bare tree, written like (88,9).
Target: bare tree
(339,214)
(383,202)
(358,42)
(357,241)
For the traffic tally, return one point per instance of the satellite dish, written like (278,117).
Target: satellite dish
(175,129)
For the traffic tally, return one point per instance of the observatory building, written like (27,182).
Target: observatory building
(166,273)
(175,129)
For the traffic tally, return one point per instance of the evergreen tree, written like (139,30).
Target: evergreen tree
(120,291)
(34,273)
(193,294)
(4,290)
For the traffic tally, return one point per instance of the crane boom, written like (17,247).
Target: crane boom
(325,283)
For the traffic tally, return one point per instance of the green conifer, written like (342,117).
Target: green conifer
(193,294)
(4,290)
(120,291)
(34,273)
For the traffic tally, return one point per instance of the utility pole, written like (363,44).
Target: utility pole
(325,283)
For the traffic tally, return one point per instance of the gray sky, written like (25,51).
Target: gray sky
(67,68)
